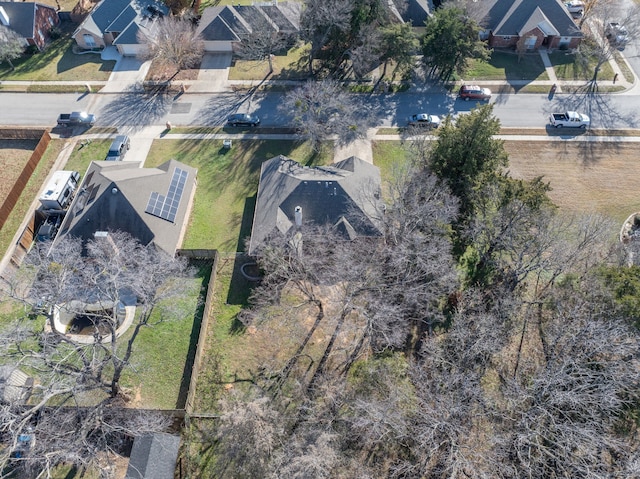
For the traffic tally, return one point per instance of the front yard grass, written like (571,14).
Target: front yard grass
(58,63)
(227,183)
(568,68)
(289,66)
(506,66)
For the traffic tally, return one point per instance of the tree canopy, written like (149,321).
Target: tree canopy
(450,40)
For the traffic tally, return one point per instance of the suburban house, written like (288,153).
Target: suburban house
(153,456)
(151,204)
(119,23)
(539,23)
(345,195)
(31,21)
(223,27)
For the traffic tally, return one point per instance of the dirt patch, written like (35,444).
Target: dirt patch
(597,177)
(160,72)
(15,154)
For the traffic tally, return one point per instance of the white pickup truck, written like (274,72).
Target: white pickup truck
(569,119)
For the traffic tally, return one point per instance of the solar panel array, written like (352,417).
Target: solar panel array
(166,207)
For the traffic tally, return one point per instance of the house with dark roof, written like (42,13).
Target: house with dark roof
(151,204)
(120,23)
(539,23)
(153,456)
(31,21)
(345,195)
(223,27)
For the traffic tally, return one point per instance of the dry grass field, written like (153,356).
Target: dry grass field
(14,154)
(599,177)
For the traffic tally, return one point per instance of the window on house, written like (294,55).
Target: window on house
(531,42)
(506,37)
(51,21)
(89,41)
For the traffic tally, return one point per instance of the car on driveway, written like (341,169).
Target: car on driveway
(474,92)
(118,148)
(423,120)
(617,34)
(243,119)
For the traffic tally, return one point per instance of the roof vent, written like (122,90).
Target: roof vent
(114,190)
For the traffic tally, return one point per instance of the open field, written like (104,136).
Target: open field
(584,177)
(14,154)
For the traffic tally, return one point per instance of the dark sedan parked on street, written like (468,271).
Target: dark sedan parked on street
(243,119)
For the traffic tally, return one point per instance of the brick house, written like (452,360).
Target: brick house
(539,23)
(32,21)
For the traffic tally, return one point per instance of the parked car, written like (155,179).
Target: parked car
(424,120)
(574,7)
(118,148)
(474,92)
(243,119)
(617,34)
(76,118)
(569,119)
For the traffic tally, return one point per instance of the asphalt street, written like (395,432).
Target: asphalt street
(133,111)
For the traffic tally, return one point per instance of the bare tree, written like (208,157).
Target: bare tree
(262,43)
(322,19)
(173,44)
(324,109)
(601,42)
(101,288)
(12,45)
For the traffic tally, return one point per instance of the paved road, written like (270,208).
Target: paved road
(133,111)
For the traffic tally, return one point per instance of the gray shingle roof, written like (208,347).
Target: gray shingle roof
(125,16)
(509,17)
(345,195)
(22,16)
(228,23)
(153,456)
(114,196)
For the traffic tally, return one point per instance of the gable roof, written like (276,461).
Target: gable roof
(153,456)
(125,17)
(416,12)
(345,195)
(229,23)
(116,196)
(22,16)
(516,17)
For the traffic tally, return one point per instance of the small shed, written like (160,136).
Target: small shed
(153,456)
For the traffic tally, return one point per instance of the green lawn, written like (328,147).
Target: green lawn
(227,184)
(161,368)
(59,63)
(567,68)
(504,65)
(289,65)
(85,152)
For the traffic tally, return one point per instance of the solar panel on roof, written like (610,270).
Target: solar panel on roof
(166,206)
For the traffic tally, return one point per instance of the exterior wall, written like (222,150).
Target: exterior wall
(212,46)
(79,38)
(502,42)
(45,19)
(540,36)
(573,43)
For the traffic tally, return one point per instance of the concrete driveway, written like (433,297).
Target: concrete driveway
(213,75)
(127,72)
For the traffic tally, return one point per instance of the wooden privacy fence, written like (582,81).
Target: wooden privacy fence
(212,256)
(20,184)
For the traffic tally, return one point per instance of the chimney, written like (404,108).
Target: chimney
(298,216)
